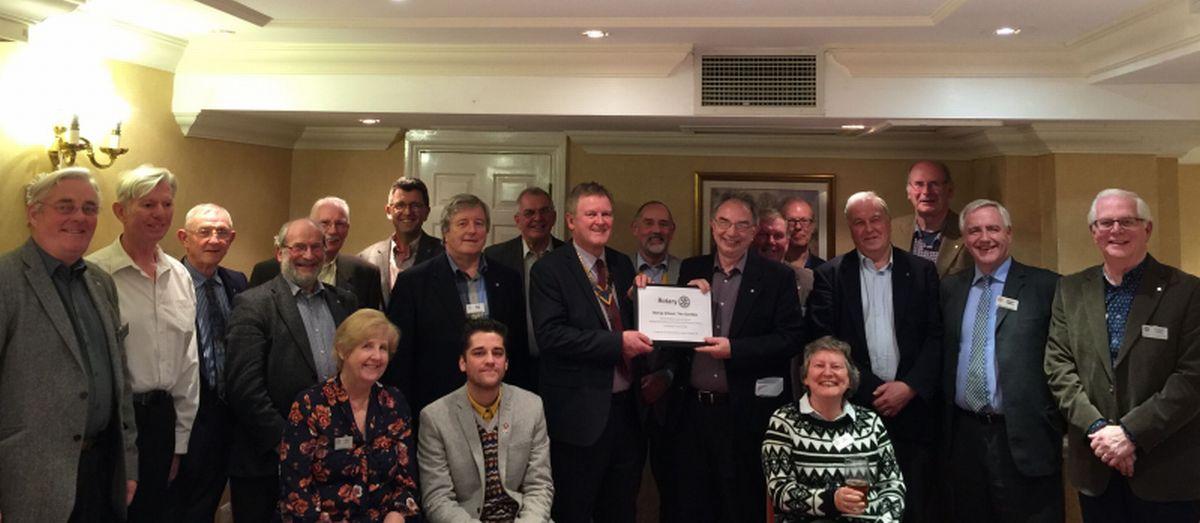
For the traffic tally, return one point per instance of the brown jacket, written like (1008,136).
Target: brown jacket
(952,257)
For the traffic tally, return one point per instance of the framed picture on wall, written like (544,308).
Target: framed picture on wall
(768,190)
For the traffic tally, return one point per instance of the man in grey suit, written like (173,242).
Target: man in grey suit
(1002,427)
(67,433)
(407,208)
(483,449)
(352,273)
(1123,360)
(280,342)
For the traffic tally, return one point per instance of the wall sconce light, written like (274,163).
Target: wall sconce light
(67,143)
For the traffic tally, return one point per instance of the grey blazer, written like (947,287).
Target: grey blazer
(377,253)
(43,409)
(451,457)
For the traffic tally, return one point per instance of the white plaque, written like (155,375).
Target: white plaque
(675,315)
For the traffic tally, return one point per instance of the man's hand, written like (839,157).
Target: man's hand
(1114,448)
(130,489)
(702,284)
(716,347)
(892,397)
(174,468)
(639,282)
(634,344)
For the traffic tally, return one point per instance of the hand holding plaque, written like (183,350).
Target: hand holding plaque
(675,315)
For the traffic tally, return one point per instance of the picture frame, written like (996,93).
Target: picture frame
(768,189)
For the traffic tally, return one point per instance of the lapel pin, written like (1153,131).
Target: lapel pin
(1159,289)
(751,291)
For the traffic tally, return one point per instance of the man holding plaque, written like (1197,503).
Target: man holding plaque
(728,387)
(583,320)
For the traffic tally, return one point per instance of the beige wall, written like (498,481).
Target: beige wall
(1189,218)
(248,180)
(362,178)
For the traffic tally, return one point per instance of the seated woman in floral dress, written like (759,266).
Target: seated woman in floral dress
(815,444)
(345,454)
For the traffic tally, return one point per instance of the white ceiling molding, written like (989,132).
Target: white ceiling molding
(232,127)
(613,22)
(867,62)
(1192,157)
(1166,139)
(214,57)
(347,138)
(1161,32)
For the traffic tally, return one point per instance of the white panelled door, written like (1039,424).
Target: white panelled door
(496,178)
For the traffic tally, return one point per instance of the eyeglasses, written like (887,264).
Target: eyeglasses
(796,223)
(219,233)
(413,207)
(1125,223)
(300,248)
(530,213)
(69,208)
(723,225)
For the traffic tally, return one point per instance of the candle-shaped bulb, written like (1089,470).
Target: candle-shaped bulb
(73,132)
(114,139)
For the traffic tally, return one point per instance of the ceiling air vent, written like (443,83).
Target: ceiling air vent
(759,83)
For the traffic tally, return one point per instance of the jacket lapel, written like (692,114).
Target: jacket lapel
(1012,289)
(470,431)
(285,304)
(585,285)
(748,291)
(852,295)
(447,294)
(1094,312)
(504,420)
(901,289)
(955,307)
(39,280)
(1145,302)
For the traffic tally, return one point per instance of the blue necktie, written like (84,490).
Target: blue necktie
(977,395)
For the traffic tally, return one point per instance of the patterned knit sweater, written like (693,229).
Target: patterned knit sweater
(804,463)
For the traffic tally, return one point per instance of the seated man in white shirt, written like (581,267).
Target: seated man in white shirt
(511,452)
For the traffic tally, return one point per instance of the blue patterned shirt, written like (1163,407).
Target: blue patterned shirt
(1118,299)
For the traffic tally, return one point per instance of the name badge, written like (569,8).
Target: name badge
(1154,332)
(343,443)
(843,441)
(476,310)
(1004,302)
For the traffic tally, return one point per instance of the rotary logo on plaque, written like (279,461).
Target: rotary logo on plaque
(684,302)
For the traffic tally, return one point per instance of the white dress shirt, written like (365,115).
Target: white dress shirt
(161,316)
(879,317)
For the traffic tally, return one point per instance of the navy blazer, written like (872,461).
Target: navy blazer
(425,306)
(268,361)
(765,332)
(578,353)
(1031,417)
(511,253)
(835,308)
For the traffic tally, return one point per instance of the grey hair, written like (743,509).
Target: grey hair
(829,343)
(866,196)
(139,181)
(979,204)
(281,236)
(769,214)
(535,191)
(42,183)
(207,208)
(742,197)
(334,201)
(462,202)
(1143,209)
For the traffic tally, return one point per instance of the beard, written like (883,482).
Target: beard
(301,280)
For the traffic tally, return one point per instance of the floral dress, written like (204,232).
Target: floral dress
(329,471)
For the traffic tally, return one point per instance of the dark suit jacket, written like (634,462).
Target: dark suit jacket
(354,274)
(235,282)
(578,352)
(426,307)
(1031,417)
(42,378)
(268,362)
(512,253)
(766,331)
(835,308)
(1153,390)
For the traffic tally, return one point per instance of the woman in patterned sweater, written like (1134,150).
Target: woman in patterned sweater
(811,444)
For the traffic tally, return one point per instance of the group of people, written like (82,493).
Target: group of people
(924,375)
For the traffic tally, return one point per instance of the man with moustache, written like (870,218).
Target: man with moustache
(535,217)
(1123,360)
(431,302)
(654,227)
(158,305)
(351,273)
(66,410)
(932,231)
(883,301)
(280,342)
(455,484)
(206,236)
(1002,427)
(728,388)
(407,208)
(801,223)
(583,319)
